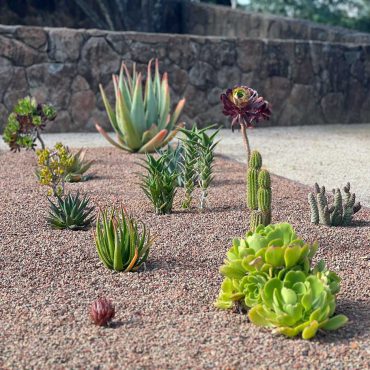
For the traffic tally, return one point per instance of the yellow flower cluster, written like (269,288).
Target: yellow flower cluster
(53,164)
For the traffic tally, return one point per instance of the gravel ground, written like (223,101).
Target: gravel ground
(164,315)
(328,154)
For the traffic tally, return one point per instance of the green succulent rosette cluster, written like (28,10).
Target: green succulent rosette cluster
(25,123)
(269,272)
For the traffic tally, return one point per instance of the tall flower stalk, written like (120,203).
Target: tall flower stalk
(245,108)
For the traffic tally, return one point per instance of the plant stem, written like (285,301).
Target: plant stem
(40,140)
(245,137)
(203,199)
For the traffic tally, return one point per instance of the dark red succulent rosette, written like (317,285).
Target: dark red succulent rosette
(102,311)
(244,106)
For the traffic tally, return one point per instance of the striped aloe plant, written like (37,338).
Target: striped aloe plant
(142,120)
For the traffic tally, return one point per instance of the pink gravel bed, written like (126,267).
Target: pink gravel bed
(165,316)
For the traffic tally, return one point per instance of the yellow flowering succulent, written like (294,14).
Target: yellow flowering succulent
(53,165)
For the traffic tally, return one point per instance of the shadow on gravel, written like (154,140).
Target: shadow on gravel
(358,325)
(222,182)
(224,208)
(116,324)
(174,264)
(358,223)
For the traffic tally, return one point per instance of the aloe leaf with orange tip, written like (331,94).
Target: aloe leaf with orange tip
(141,117)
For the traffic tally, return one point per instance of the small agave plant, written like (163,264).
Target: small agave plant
(70,212)
(142,120)
(120,243)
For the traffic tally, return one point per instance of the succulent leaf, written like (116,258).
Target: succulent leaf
(270,272)
(120,244)
(70,212)
(159,183)
(136,111)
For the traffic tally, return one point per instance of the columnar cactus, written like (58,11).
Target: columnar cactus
(258,192)
(255,164)
(338,213)
(256,218)
(264,195)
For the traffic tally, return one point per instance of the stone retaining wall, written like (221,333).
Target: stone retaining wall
(206,20)
(306,82)
(174,16)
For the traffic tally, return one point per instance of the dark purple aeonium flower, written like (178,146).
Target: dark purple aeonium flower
(244,106)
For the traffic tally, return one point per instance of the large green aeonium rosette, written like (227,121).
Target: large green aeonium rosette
(298,304)
(274,253)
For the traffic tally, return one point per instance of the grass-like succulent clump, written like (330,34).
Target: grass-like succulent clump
(70,212)
(270,272)
(174,160)
(159,183)
(122,242)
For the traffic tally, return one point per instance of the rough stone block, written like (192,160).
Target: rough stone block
(65,45)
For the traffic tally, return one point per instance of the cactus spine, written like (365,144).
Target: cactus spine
(258,192)
(339,213)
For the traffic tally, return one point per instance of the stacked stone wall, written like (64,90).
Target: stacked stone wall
(307,82)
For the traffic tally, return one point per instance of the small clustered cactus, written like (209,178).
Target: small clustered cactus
(258,192)
(25,123)
(339,213)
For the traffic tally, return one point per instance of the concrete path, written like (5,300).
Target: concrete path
(330,155)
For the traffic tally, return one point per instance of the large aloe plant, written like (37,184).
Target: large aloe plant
(141,119)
